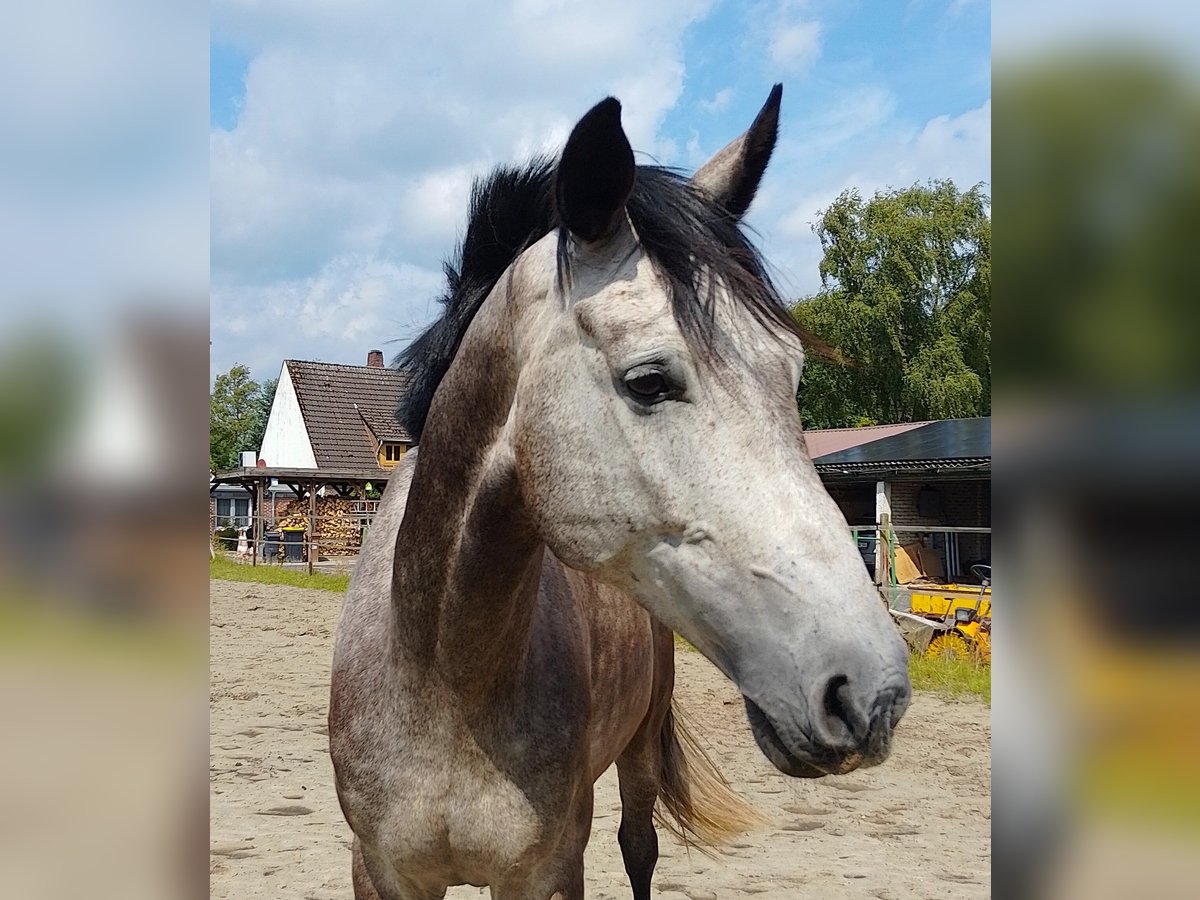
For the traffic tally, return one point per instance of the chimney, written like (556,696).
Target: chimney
(375,359)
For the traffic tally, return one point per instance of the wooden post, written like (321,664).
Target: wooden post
(883,552)
(257,522)
(312,527)
(883,518)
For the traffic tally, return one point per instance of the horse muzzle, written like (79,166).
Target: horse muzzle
(843,729)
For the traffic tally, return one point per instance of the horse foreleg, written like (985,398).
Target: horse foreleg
(637,772)
(570,870)
(364,888)
(558,876)
(561,881)
(572,888)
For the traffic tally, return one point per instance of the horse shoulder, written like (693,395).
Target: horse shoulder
(620,647)
(360,666)
(365,614)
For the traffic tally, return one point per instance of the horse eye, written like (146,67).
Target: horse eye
(647,384)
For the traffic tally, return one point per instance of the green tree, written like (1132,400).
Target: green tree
(265,397)
(906,298)
(237,416)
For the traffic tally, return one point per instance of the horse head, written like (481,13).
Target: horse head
(656,442)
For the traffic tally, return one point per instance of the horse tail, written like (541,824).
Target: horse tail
(704,810)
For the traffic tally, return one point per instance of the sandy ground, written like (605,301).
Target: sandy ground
(917,827)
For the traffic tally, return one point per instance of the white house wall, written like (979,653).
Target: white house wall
(285,442)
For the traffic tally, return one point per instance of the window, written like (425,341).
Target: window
(391,453)
(233,512)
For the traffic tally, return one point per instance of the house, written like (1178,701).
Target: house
(931,480)
(330,427)
(333,416)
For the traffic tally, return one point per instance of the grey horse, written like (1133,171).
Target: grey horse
(609,452)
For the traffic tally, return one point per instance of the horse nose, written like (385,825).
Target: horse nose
(841,719)
(856,716)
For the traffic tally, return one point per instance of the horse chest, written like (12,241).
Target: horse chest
(453,799)
(466,824)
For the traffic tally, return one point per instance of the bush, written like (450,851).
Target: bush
(225,538)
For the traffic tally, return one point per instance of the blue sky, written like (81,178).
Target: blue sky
(344,136)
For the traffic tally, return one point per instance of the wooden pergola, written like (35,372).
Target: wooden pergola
(303,482)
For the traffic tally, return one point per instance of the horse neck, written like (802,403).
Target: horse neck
(467,561)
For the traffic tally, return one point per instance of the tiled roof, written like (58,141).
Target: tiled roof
(385,427)
(347,409)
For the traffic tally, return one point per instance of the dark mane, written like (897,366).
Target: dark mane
(681,229)
(510,210)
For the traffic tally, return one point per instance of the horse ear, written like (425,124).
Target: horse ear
(732,176)
(595,174)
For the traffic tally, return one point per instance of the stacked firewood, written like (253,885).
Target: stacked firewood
(338,532)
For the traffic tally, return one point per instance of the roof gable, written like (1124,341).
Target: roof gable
(347,409)
(285,440)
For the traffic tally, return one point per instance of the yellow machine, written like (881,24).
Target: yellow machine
(963,614)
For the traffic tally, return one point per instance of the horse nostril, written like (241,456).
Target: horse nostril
(843,720)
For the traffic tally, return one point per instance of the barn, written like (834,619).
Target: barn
(918,482)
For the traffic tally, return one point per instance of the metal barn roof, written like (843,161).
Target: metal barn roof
(944,444)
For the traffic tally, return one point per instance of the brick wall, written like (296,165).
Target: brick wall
(965,504)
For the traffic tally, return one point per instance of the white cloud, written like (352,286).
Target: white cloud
(719,101)
(363,125)
(345,180)
(858,113)
(351,305)
(953,147)
(795,47)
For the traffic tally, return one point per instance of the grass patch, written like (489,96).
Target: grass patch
(951,677)
(948,677)
(227,570)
